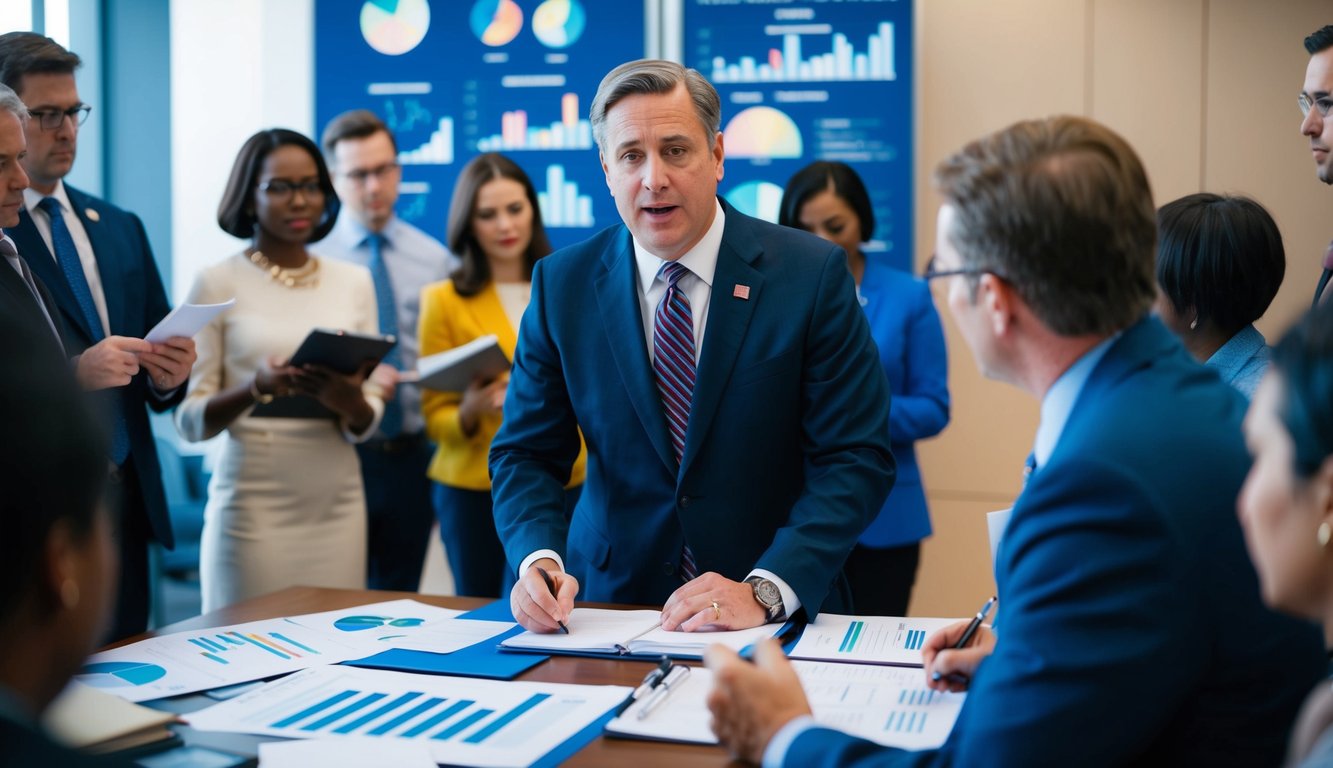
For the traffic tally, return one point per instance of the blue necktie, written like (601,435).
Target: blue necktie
(67,255)
(391,425)
(673,362)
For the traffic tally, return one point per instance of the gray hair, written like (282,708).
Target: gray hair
(647,76)
(11,103)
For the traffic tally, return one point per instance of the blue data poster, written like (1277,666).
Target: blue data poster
(813,80)
(455,78)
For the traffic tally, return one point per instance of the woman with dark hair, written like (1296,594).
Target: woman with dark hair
(1286,505)
(1219,265)
(285,505)
(495,229)
(829,200)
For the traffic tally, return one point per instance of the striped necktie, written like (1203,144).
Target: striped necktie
(391,425)
(673,362)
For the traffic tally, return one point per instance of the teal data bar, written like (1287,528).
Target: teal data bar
(308,711)
(377,713)
(352,708)
(456,728)
(428,704)
(506,719)
(436,719)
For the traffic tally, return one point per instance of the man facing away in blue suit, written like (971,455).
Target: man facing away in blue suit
(723,377)
(1133,632)
(95,260)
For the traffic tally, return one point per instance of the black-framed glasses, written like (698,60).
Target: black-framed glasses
(933,270)
(52,119)
(360,176)
(1323,104)
(282,189)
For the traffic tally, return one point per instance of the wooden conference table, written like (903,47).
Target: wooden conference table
(602,753)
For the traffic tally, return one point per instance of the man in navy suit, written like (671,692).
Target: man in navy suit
(1316,99)
(95,259)
(722,375)
(1131,629)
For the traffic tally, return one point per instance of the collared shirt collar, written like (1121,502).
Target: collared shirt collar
(1233,355)
(32,197)
(1059,401)
(350,234)
(701,260)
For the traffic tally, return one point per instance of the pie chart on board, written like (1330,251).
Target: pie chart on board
(762,132)
(559,23)
(496,22)
(760,199)
(394,27)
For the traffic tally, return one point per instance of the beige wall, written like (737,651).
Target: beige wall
(1204,89)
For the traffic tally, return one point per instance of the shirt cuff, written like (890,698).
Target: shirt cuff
(162,395)
(790,602)
(535,556)
(776,751)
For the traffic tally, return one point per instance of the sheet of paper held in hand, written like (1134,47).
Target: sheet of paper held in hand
(604,630)
(187,320)
(888,705)
(867,639)
(462,721)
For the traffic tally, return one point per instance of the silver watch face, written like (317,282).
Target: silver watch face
(767,592)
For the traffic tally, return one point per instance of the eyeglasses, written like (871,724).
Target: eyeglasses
(282,190)
(362,175)
(52,119)
(933,270)
(1323,104)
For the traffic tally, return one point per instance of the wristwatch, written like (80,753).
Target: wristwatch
(263,398)
(769,597)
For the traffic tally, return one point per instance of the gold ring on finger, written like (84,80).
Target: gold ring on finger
(717,612)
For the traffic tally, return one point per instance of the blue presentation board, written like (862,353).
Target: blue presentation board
(804,81)
(454,78)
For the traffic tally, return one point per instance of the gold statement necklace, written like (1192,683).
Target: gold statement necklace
(304,276)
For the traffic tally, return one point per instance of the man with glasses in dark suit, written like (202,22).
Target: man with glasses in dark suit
(1316,99)
(96,261)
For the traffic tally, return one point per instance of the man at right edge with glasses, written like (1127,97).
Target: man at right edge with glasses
(1316,99)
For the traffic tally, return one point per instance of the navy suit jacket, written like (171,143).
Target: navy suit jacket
(18,304)
(1131,629)
(135,302)
(907,330)
(786,456)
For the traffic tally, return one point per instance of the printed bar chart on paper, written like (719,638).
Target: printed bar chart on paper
(888,705)
(893,640)
(790,63)
(570,132)
(463,721)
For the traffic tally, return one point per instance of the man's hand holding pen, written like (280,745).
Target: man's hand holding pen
(953,654)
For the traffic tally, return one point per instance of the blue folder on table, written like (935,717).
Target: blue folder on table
(477,660)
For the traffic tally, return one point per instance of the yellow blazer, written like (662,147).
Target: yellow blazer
(449,320)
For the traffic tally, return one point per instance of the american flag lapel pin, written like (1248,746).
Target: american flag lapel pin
(741,292)
(92,214)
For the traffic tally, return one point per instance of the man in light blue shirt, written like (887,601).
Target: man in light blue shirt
(363,158)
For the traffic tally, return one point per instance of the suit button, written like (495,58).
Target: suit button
(685,501)
(668,568)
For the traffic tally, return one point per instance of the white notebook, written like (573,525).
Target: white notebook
(602,630)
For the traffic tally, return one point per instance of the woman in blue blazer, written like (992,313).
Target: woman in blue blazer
(829,200)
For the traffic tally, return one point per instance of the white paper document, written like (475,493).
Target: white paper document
(187,320)
(462,721)
(344,753)
(185,662)
(867,639)
(604,630)
(888,705)
(404,624)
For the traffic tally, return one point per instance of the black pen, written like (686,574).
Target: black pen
(650,681)
(968,633)
(546,577)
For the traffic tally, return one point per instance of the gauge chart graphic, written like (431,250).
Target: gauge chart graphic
(559,23)
(760,199)
(762,132)
(496,22)
(118,674)
(394,27)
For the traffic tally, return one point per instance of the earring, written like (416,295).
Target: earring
(69,594)
(1194,323)
(1324,533)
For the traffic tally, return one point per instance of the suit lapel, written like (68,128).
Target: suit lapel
(107,268)
(618,300)
(728,319)
(43,265)
(489,314)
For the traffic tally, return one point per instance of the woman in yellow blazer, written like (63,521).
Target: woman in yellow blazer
(495,228)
